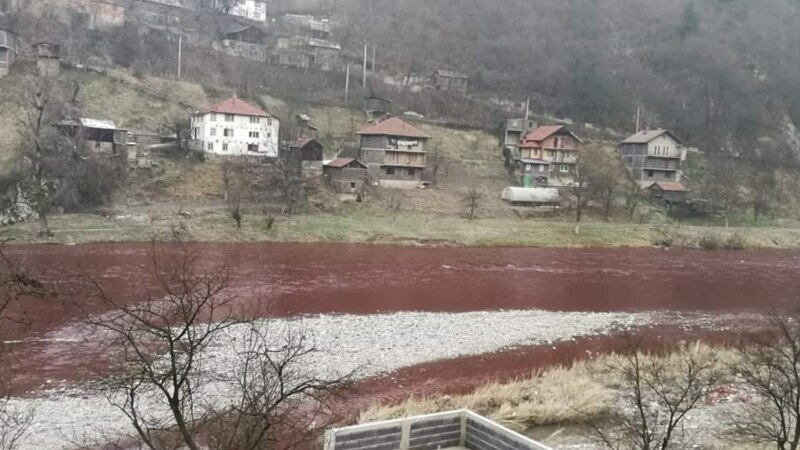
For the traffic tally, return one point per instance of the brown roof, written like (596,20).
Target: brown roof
(644,137)
(393,127)
(669,186)
(301,142)
(238,107)
(339,163)
(535,137)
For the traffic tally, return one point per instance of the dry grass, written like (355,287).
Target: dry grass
(578,394)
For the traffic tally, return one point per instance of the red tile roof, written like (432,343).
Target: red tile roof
(535,137)
(339,163)
(393,127)
(236,106)
(669,186)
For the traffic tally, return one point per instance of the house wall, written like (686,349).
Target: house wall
(210,128)
(346,179)
(250,9)
(253,52)
(664,145)
(644,168)
(7,51)
(397,173)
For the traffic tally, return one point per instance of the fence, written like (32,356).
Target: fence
(460,428)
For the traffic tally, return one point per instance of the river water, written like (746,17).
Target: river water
(296,279)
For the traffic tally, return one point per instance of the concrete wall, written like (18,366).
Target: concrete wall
(430,432)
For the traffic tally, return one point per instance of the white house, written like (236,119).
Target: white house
(234,127)
(250,9)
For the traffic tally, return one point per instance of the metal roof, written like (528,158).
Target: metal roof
(669,186)
(646,136)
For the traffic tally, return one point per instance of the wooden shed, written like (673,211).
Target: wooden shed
(346,175)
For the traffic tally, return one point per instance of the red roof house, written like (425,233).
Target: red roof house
(237,107)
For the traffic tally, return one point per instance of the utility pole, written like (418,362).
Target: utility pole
(347,86)
(527,115)
(374,47)
(638,117)
(364,75)
(180,53)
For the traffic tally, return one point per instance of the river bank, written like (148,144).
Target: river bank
(401,229)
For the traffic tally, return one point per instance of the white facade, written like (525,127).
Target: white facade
(236,135)
(665,146)
(250,9)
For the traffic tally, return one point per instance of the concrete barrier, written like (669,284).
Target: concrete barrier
(460,428)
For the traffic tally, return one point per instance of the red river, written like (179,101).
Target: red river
(297,279)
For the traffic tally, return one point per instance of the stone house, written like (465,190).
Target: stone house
(653,155)
(304,42)
(247,42)
(346,175)
(96,136)
(395,152)
(548,156)
(449,80)
(95,14)
(234,127)
(8,49)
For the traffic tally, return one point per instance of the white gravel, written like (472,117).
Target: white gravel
(373,344)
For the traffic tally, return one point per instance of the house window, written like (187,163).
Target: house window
(213,117)
(412,172)
(255,120)
(649,174)
(210,146)
(228,132)
(556,142)
(228,117)
(352,185)
(390,171)
(629,159)
(224,147)
(252,147)
(269,122)
(254,134)
(213,132)
(541,168)
(564,168)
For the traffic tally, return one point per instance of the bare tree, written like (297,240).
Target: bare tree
(160,340)
(280,405)
(15,284)
(723,184)
(471,200)
(658,394)
(605,177)
(288,179)
(770,368)
(436,162)
(237,184)
(266,399)
(577,189)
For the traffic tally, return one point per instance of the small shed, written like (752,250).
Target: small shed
(97,136)
(306,149)
(346,175)
(532,197)
(450,80)
(376,107)
(669,191)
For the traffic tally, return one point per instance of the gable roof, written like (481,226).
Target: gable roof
(339,163)
(540,134)
(644,137)
(669,186)
(393,127)
(301,142)
(238,107)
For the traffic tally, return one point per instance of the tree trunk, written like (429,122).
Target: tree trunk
(44,226)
